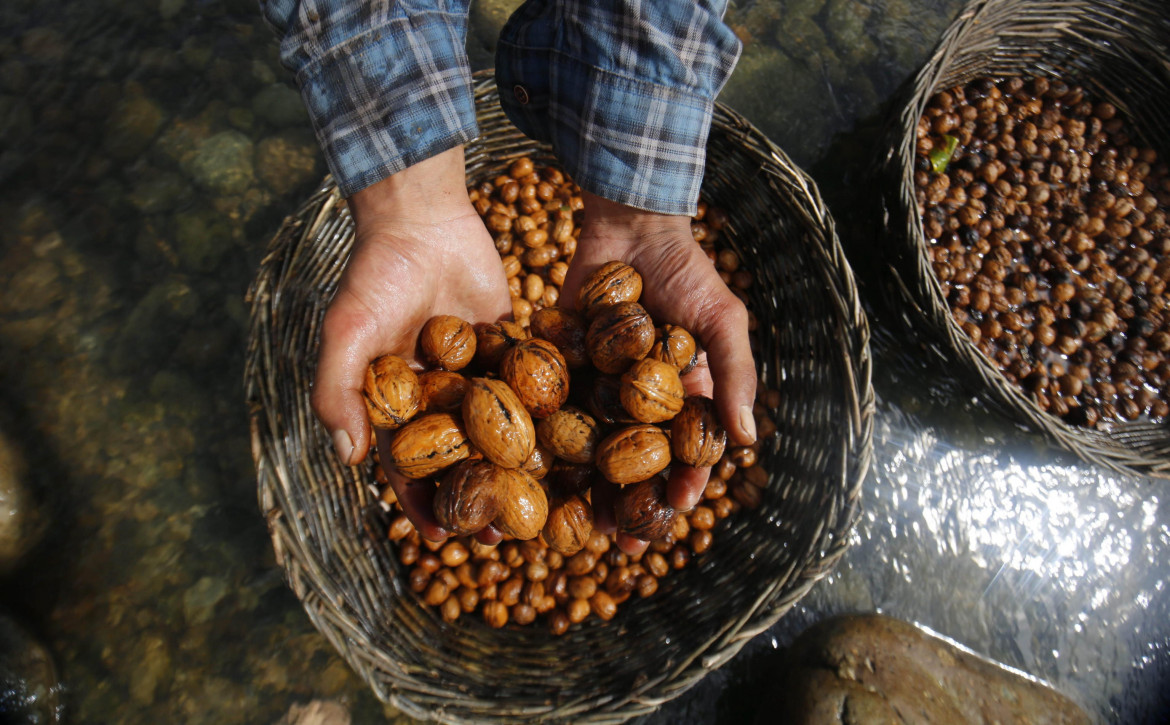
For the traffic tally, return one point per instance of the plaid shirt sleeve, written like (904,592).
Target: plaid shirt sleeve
(386,84)
(622,89)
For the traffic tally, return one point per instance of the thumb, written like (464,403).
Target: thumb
(723,331)
(337,396)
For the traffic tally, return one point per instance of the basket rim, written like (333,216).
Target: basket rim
(913,281)
(325,605)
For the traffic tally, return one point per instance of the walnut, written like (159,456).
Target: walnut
(619,336)
(569,524)
(570,433)
(696,435)
(539,462)
(524,507)
(651,391)
(642,510)
(536,370)
(447,342)
(469,497)
(391,392)
(497,422)
(605,401)
(566,479)
(565,329)
(428,444)
(493,339)
(609,284)
(633,454)
(676,346)
(442,391)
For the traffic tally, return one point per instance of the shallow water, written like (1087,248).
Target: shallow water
(148,151)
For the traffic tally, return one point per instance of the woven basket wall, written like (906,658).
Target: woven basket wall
(329,533)
(1118,51)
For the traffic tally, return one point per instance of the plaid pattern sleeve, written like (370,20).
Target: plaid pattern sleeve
(386,83)
(622,89)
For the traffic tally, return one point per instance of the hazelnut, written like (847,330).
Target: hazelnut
(536,370)
(428,444)
(569,524)
(497,422)
(391,392)
(610,284)
(442,391)
(523,505)
(696,435)
(633,454)
(469,497)
(565,329)
(570,433)
(447,342)
(642,510)
(651,391)
(619,336)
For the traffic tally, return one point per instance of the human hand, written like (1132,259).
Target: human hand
(680,286)
(420,250)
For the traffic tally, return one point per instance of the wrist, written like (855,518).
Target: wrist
(433,189)
(601,213)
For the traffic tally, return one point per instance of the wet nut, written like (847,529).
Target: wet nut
(469,497)
(676,346)
(570,434)
(493,339)
(428,444)
(523,505)
(619,336)
(442,391)
(651,391)
(391,392)
(605,401)
(497,423)
(610,284)
(565,329)
(697,438)
(569,524)
(633,454)
(447,342)
(539,463)
(536,370)
(642,510)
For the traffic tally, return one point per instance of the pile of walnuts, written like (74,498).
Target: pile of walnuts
(1049,237)
(520,422)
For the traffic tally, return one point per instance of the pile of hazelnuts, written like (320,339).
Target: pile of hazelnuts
(509,443)
(1048,235)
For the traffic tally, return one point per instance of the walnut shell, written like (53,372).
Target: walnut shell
(391,392)
(428,444)
(536,370)
(497,422)
(566,479)
(570,433)
(696,435)
(442,391)
(609,284)
(642,510)
(676,346)
(565,329)
(539,462)
(493,339)
(605,401)
(524,506)
(469,497)
(652,391)
(619,336)
(633,454)
(447,342)
(569,524)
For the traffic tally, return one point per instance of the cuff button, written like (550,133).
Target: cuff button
(521,94)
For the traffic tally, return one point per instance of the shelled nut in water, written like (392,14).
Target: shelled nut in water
(391,392)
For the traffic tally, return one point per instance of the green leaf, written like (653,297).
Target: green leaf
(940,157)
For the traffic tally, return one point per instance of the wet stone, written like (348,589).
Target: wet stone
(202,238)
(288,161)
(156,193)
(223,163)
(29,690)
(280,106)
(132,126)
(22,522)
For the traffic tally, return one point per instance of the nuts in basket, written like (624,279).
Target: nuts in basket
(391,392)
(1048,235)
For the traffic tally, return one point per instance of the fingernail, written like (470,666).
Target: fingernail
(692,500)
(343,444)
(747,423)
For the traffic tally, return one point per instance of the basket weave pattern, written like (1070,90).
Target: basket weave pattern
(329,533)
(1118,51)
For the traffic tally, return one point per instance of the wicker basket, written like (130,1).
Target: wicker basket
(330,534)
(1115,49)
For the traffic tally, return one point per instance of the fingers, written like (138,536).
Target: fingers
(337,398)
(685,487)
(723,330)
(416,497)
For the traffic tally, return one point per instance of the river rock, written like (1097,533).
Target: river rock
(29,691)
(132,125)
(288,161)
(279,105)
(223,163)
(22,522)
(871,668)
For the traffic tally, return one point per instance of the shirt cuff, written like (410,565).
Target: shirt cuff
(378,107)
(634,142)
